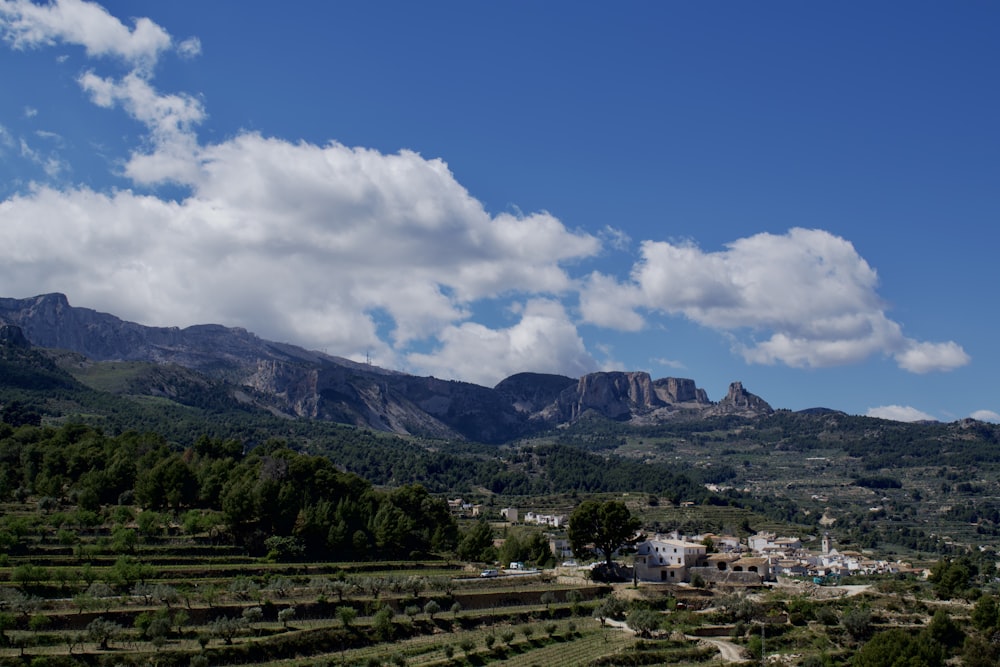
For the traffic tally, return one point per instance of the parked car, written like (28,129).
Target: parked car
(489,573)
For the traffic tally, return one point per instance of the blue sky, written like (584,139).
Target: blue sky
(798,196)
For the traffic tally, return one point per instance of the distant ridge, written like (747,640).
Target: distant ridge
(293,381)
(820,411)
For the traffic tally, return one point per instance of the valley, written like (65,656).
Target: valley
(154,512)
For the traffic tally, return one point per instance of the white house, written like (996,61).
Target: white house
(667,560)
(553,520)
(765,542)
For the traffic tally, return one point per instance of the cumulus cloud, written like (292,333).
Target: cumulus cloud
(607,303)
(926,357)
(354,250)
(293,241)
(24,24)
(170,119)
(899,413)
(322,245)
(986,416)
(543,341)
(808,291)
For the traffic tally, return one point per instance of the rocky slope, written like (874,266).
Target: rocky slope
(301,383)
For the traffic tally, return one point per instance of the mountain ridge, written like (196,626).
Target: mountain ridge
(300,383)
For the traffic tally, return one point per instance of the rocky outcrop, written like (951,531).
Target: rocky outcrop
(740,402)
(530,393)
(680,391)
(626,396)
(12,336)
(616,395)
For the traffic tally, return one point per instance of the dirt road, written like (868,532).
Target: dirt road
(728,651)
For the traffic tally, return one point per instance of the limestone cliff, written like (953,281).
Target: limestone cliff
(293,381)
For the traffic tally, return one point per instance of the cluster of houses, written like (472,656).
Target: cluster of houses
(676,558)
(764,557)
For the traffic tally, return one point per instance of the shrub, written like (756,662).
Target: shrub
(857,622)
(103,631)
(382,623)
(827,616)
(643,621)
(346,615)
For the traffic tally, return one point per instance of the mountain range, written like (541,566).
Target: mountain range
(295,382)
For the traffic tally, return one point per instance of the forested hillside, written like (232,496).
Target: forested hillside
(928,487)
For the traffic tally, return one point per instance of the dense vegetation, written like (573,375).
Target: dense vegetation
(271,491)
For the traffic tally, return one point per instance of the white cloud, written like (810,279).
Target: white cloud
(899,413)
(189,48)
(355,250)
(807,290)
(25,24)
(926,357)
(669,363)
(302,243)
(30,112)
(615,238)
(543,341)
(52,165)
(295,241)
(170,120)
(607,303)
(986,416)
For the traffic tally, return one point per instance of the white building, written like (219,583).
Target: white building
(553,520)
(667,560)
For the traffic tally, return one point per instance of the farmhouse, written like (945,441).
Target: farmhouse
(667,560)
(552,520)
(769,543)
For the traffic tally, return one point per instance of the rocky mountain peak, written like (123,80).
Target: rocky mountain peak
(739,401)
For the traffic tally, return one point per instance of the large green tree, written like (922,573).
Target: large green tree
(601,528)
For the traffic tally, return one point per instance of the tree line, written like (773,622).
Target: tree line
(271,497)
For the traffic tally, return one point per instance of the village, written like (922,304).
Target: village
(709,558)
